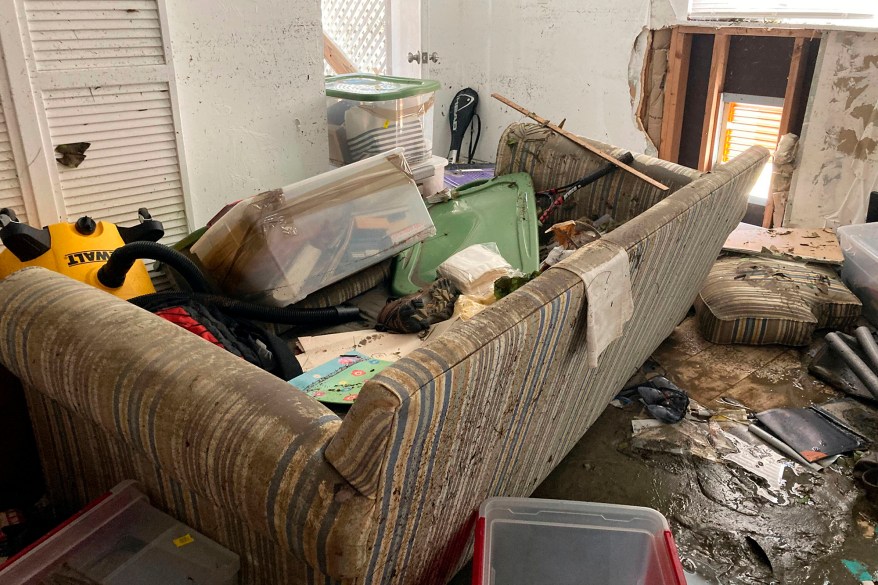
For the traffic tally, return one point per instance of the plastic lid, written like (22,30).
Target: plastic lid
(376,88)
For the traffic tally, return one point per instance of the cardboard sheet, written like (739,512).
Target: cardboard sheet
(390,347)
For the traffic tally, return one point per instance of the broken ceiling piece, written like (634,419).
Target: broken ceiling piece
(809,244)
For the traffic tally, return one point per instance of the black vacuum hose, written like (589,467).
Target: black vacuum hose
(245,310)
(113,273)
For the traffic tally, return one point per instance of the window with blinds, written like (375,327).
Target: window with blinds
(749,121)
(746,125)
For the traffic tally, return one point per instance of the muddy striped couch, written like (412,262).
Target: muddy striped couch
(386,494)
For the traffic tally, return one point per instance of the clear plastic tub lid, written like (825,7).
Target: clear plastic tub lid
(860,237)
(376,88)
(121,539)
(541,542)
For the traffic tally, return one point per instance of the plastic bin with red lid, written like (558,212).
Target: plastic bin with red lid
(528,541)
(120,539)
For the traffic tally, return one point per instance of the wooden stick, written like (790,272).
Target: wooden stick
(336,58)
(579,141)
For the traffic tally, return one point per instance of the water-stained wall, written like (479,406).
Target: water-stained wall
(838,160)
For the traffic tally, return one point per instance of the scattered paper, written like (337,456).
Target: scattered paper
(760,460)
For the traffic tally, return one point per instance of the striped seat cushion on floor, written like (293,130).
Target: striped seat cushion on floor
(760,301)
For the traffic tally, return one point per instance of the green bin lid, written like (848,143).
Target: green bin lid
(376,88)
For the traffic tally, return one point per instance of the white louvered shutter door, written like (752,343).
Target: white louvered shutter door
(103,71)
(10,186)
(11,192)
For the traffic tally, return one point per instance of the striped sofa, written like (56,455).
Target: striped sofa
(386,494)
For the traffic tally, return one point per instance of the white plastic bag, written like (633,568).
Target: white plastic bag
(473,270)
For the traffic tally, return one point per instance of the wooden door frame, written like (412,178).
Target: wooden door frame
(677,79)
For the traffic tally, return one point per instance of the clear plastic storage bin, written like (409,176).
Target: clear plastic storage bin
(525,541)
(279,246)
(430,176)
(859,244)
(121,540)
(370,114)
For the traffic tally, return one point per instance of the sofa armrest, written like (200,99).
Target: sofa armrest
(228,431)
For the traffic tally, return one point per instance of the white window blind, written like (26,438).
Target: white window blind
(750,123)
(747,125)
(729,9)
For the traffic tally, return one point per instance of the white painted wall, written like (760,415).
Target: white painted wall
(838,165)
(250,83)
(560,58)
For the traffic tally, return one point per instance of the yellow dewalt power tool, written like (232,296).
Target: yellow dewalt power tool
(79,250)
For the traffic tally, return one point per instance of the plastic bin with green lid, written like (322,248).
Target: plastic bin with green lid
(371,114)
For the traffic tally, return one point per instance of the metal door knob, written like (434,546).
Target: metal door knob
(422,57)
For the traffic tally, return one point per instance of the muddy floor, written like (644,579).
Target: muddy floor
(725,531)
(815,528)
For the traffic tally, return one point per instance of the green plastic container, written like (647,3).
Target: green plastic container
(361,87)
(501,210)
(371,114)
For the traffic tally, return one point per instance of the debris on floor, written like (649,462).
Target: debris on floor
(829,366)
(800,244)
(742,508)
(663,400)
(813,436)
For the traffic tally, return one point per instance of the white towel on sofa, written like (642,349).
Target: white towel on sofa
(608,292)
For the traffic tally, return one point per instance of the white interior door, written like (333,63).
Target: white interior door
(377,36)
(12,192)
(405,47)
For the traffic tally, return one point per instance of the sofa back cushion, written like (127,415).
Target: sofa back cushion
(493,405)
(232,434)
(554,161)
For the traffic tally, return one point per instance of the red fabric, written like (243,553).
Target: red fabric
(181,317)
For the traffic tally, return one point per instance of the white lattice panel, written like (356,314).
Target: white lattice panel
(359,28)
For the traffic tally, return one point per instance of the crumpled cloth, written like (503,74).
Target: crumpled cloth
(604,269)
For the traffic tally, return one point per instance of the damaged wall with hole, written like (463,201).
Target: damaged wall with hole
(838,160)
(250,83)
(559,58)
